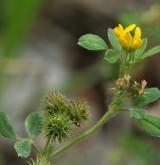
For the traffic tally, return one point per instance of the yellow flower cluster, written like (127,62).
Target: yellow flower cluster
(125,37)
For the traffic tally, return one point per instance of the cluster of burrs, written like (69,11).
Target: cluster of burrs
(62,115)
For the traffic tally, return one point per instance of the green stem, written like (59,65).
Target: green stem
(35,147)
(84,135)
(46,146)
(123,65)
(124,69)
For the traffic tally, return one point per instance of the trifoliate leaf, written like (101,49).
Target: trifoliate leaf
(150,95)
(92,42)
(113,40)
(111,56)
(23,148)
(139,51)
(6,129)
(33,124)
(151,52)
(150,123)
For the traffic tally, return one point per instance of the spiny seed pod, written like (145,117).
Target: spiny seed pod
(57,127)
(54,102)
(61,115)
(78,111)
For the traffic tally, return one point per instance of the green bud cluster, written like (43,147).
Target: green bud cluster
(61,115)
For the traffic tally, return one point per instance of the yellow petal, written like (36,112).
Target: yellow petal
(130,28)
(120,26)
(136,43)
(137,32)
(124,42)
(117,32)
(128,37)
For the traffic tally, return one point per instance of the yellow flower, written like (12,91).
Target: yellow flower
(128,41)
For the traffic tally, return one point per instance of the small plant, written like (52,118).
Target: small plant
(62,115)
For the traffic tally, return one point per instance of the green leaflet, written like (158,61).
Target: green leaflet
(6,129)
(137,113)
(150,123)
(151,126)
(23,148)
(92,42)
(111,56)
(113,40)
(150,95)
(33,124)
(139,51)
(151,52)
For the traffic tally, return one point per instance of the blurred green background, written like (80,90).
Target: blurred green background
(39,54)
